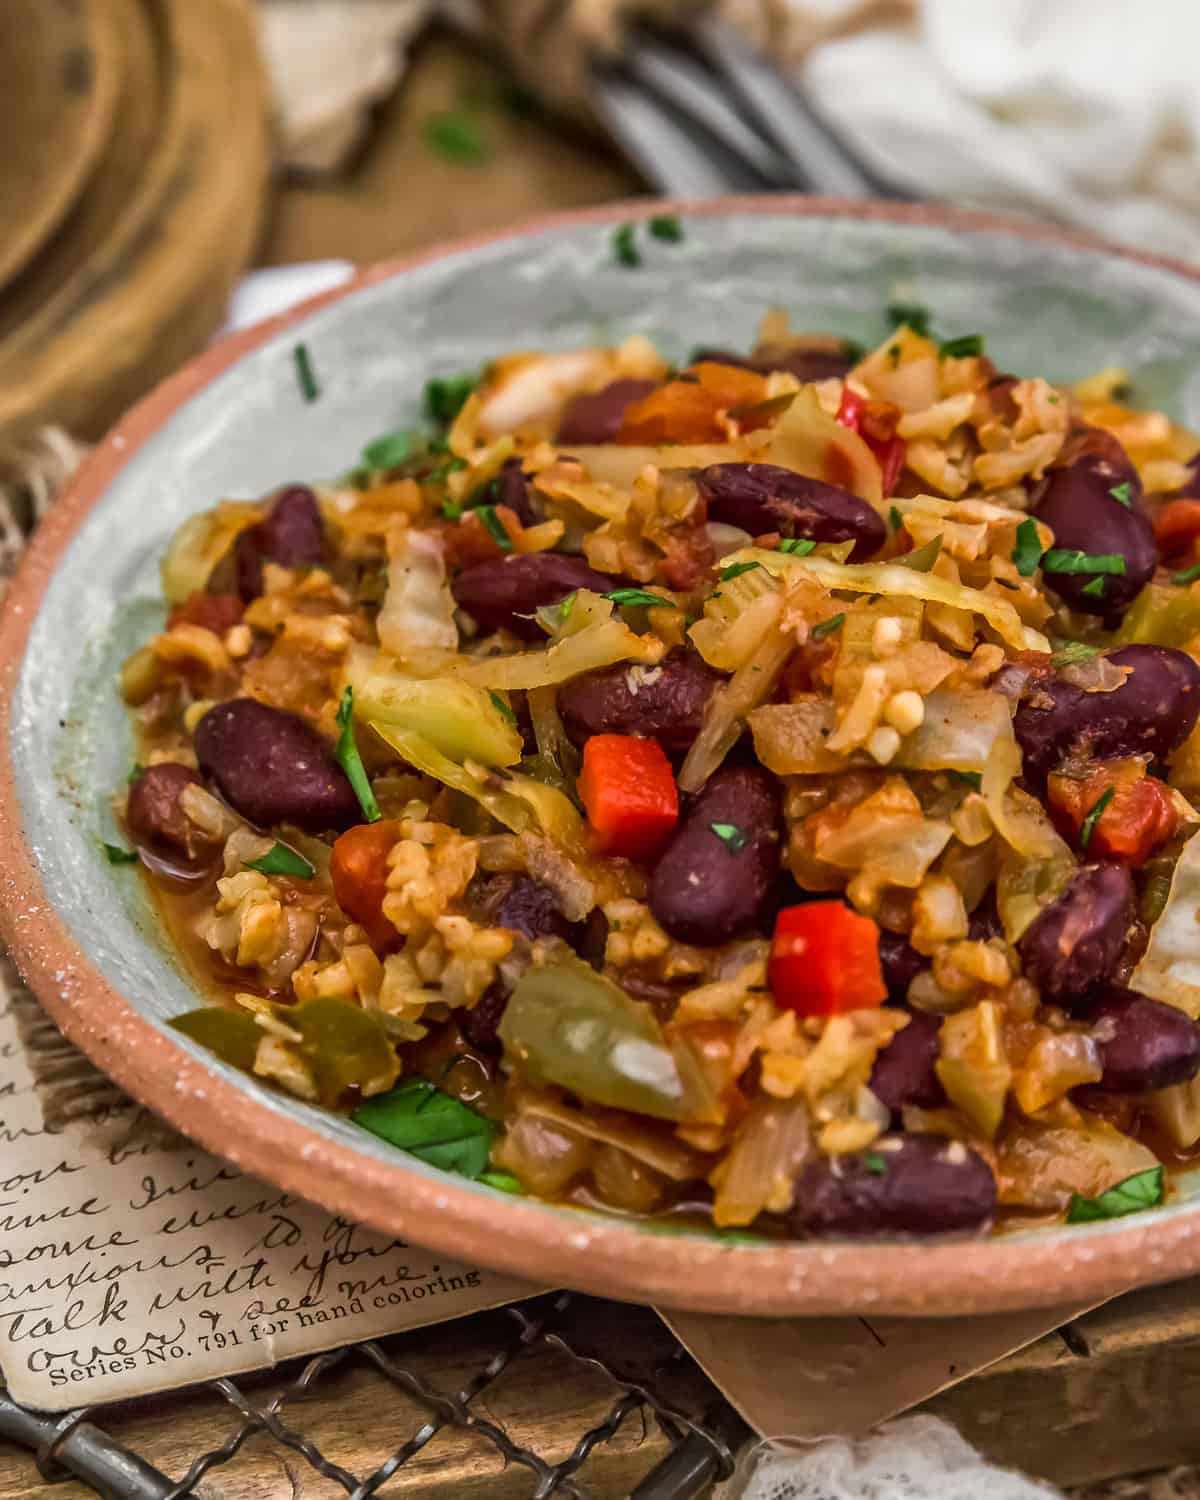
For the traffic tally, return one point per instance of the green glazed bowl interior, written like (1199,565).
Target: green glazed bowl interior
(234,427)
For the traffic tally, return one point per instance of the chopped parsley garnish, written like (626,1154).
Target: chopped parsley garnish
(456,136)
(1095,589)
(281,860)
(1142,1190)
(969,778)
(895,518)
(1121,492)
(636,597)
(451,511)
(1073,653)
(1088,826)
(389,450)
(135,771)
(908,315)
(827,627)
(963,347)
(494,527)
(666,227)
(565,608)
(305,375)
(1071,560)
(624,247)
(1028,552)
(118,856)
(350,760)
(503,708)
(1189,575)
(797,546)
(446,395)
(735,570)
(875,1162)
(731,836)
(431,1125)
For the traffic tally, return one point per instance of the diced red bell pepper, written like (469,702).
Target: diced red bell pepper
(1139,818)
(359,871)
(869,419)
(1177,526)
(825,960)
(629,791)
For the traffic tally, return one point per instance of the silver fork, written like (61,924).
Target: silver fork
(703,113)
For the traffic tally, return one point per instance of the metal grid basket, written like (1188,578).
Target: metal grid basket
(425,1413)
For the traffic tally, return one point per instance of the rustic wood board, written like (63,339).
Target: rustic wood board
(60,71)
(157,286)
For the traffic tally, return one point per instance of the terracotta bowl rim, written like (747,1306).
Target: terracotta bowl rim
(606,1256)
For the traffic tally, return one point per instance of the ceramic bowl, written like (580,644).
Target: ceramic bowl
(234,423)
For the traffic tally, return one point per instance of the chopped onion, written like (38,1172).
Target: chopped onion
(773,1142)
(1176,1111)
(1170,967)
(651,1145)
(1040,1167)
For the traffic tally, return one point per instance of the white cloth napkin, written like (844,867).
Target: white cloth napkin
(1081,110)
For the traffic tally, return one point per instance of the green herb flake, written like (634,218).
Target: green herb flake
(735,570)
(973,779)
(1028,552)
(502,707)
(797,546)
(624,246)
(1142,1190)
(1121,492)
(281,860)
(431,1125)
(446,395)
(1071,560)
(666,227)
(1189,575)
(350,760)
(895,518)
(451,511)
(118,856)
(565,608)
(1095,589)
(639,597)
(1073,653)
(457,137)
(731,836)
(908,315)
(389,450)
(305,374)
(828,627)
(503,1182)
(135,771)
(965,347)
(494,527)
(1097,812)
(875,1163)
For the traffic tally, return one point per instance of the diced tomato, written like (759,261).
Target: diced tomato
(690,411)
(359,871)
(215,612)
(825,960)
(629,791)
(1139,818)
(688,556)
(469,541)
(875,422)
(1177,526)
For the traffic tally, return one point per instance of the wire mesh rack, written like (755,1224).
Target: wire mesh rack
(559,1396)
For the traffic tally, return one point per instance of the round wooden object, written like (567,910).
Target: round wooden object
(60,70)
(162,247)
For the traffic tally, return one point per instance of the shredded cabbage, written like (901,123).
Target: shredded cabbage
(809,441)
(418,608)
(598,644)
(731,703)
(891,580)
(200,544)
(620,464)
(1170,967)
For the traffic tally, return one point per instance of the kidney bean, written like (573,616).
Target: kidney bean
(805,364)
(480,1024)
(1075,942)
(764,497)
(510,487)
(665,702)
(1153,711)
(904,1069)
(901,963)
(1143,1043)
(504,592)
(153,813)
(903,1184)
(597,416)
(273,767)
(291,534)
(704,889)
(1078,505)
